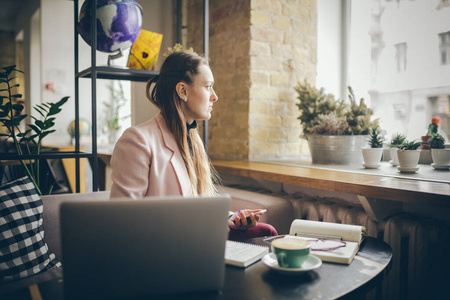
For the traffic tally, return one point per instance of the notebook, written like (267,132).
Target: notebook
(127,248)
(243,254)
(330,242)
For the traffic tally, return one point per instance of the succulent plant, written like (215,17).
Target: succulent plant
(436,141)
(410,145)
(397,140)
(375,140)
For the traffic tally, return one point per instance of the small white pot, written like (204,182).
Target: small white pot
(372,157)
(394,156)
(408,159)
(441,157)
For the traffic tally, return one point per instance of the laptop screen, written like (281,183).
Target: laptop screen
(133,248)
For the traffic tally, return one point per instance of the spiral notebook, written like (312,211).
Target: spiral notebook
(243,254)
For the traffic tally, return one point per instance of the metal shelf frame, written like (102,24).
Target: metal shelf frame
(46,155)
(114,73)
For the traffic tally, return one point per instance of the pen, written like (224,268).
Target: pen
(305,235)
(273,237)
(318,236)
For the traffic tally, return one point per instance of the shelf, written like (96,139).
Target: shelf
(379,186)
(118,73)
(46,155)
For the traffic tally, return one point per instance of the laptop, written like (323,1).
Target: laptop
(126,248)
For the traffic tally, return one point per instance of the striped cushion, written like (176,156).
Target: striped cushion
(23,251)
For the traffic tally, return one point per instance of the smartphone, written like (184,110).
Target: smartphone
(249,220)
(260,212)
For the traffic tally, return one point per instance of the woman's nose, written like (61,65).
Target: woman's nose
(214,97)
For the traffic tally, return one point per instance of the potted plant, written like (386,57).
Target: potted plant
(432,128)
(112,112)
(408,156)
(372,155)
(336,131)
(395,144)
(425,155)
(29,141)
(440,155)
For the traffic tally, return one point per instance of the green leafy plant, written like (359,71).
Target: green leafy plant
(112,109)
(29,141)
(358,116)
(436,141)
(397,140)
(375,140)
(315,104)
(410,145)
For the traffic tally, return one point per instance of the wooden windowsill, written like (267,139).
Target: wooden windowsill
(417,188)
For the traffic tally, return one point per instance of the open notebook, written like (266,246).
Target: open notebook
(330,242)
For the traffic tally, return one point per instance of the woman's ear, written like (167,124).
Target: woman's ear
(181,89)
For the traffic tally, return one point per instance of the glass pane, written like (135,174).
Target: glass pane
(404,36)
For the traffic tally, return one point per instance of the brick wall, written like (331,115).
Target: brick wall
(259,50)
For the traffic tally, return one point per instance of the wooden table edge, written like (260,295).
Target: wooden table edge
(373,186)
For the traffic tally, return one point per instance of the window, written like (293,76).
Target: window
(400,56)
(393,63)
(444,47)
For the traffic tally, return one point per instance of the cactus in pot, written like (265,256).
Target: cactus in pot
(440,155)
(408,156)
(395,144)
(372,155)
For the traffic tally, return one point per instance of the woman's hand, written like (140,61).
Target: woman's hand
(244,219)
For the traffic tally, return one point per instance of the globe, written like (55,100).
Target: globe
(118,24)
(84,126)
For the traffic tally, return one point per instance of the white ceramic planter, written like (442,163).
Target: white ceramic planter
(408,160)
(394,157)
(372,157)
(441,158)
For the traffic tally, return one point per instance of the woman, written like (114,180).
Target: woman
(165,155)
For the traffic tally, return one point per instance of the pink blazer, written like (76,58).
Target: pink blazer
(146,161)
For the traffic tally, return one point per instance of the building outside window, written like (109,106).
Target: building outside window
(444,47)
(400,56)
(395,65)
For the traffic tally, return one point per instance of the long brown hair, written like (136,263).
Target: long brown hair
(183,67)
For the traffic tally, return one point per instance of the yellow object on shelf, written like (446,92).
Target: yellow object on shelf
(145,50)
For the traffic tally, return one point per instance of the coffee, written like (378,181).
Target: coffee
(291,244)
(291,252)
